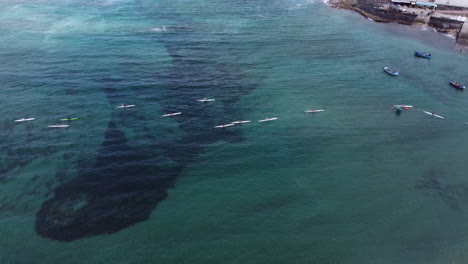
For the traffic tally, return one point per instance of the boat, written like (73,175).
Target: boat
(172,114)
(314,111)
(241,122)
(433,114)
(125,106)
(268,119)
(393,72)
(24,119)
(225,125)
(58,126)
(69,119)
(457,85)
(403,107)
(422,55)
(205,100)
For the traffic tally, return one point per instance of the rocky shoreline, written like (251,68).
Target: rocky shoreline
(381,12)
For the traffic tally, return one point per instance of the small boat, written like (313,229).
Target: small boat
(393,72)
(172,114)
(206,100)
(268,119)
(241,122)
(24,119)
(457,85)
(225,125)
(422,55)
(125,106)
(403,107)
(314,111)
(58,126)
(433,114)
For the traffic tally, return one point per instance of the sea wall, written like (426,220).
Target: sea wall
(444,25)
(463,35)
(370,9)
(448,7)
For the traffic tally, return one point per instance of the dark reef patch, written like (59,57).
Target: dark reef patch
(454,195)
(127,181)
(115,193)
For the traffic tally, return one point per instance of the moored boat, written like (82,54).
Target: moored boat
(393,72)
(422,55)
(457,85)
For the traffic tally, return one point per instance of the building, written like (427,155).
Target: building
(455,3)
(419,4)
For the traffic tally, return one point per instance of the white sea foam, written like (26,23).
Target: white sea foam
(301,4)
(159,29)
(450,36)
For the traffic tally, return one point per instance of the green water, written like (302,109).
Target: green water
(354,184)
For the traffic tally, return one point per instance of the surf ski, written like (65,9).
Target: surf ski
(225,125)
(314,111)
(24,119)
(125,106)
(58,126)
(241,122)
(69,119)
(172,114)
(403,107)
(268,119)
(206,100)
(433,114)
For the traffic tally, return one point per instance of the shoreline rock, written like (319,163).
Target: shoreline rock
(372,10)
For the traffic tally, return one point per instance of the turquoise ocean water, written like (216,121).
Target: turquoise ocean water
(354,184)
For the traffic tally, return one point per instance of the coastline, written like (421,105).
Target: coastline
(378,14)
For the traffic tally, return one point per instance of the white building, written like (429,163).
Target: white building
(458,3)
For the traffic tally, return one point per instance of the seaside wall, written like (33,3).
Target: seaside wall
(452,4)
(454,8)
(368,9)
(443,24)
(463,35)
